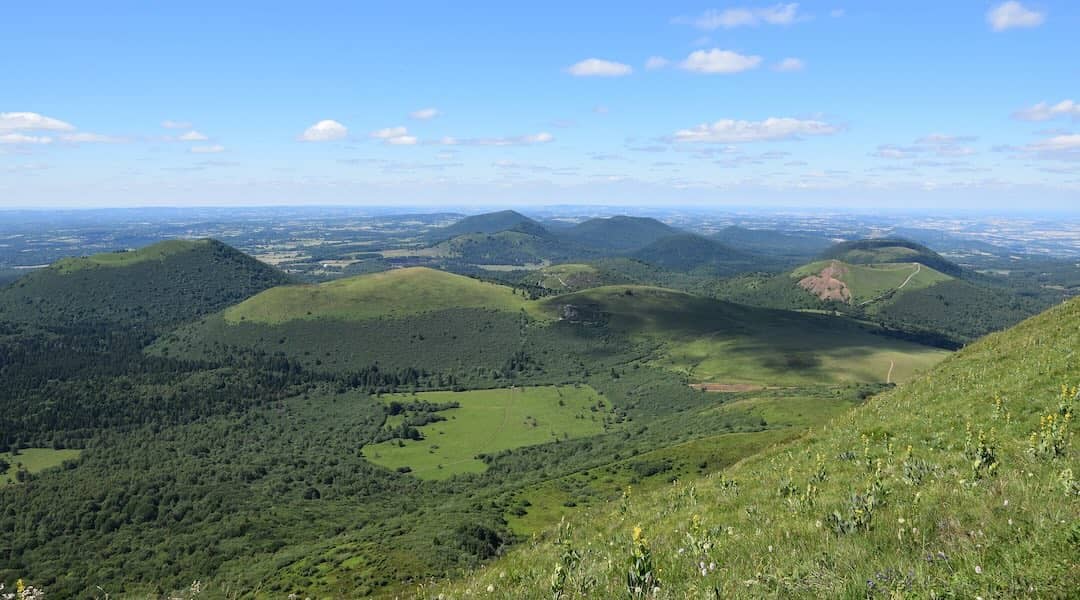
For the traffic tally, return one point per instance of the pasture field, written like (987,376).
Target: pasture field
(33,460)
(488,421)
(392,294)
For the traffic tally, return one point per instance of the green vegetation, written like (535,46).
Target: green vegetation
(713,341)
(871,282)
(891,250)
(486,223)
(159,285)
(619,233)
(29,461)
(486,422)
(155,252)
(395,294)
(796,246)
(960,483)
(689,252)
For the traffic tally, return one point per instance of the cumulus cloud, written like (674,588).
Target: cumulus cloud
(719,61)
(656,62)
(170,124)
(596,67)
(395,136)
(22,138)
(730,131)
(212,149)
(777,14)
(424,114)
(324,131)
(790,64)
(28,121)
(1010,15)
(1045,111)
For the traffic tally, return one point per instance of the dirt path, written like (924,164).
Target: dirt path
(888,378)
(918,268)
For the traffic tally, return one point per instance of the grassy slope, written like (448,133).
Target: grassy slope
(722,342)
(938,530)
(489,421)
(869,281)
(394,293)
(159,251)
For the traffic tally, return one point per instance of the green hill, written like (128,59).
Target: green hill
(392,294)
(906,296)
(792,245)
(493,222)
(619,233)
(864,284)
(711,341)
(890,250)
(962,483)
(689,252)
(164,283)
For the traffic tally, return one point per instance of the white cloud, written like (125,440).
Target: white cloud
(790,64)
(1059,145)
(730,131)
(170,124)
(595,67)
(895,152)
(324,131)
(395,136)
(213,149)
(20,138)
(1009,15)
(777,14)
(520,140)
(837,13)
(656,62)
(193,136)
(424,114)
(719,61)
(91,138)
(28,121)
(1045,111)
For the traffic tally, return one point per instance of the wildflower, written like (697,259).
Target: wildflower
(978,570)
(490,588)
(900,520)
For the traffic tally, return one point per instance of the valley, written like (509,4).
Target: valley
(424,421)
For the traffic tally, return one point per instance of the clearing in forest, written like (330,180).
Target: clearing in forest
(486,422)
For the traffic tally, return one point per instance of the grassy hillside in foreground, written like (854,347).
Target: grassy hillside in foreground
(959,484)
(394,293)
(720,342)
(164,283)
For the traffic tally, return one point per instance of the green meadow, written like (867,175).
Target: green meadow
(487,422)
(33,460)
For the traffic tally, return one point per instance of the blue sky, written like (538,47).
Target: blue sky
(949,105)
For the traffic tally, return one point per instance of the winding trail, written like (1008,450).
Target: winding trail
(888,378)
(918,268)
